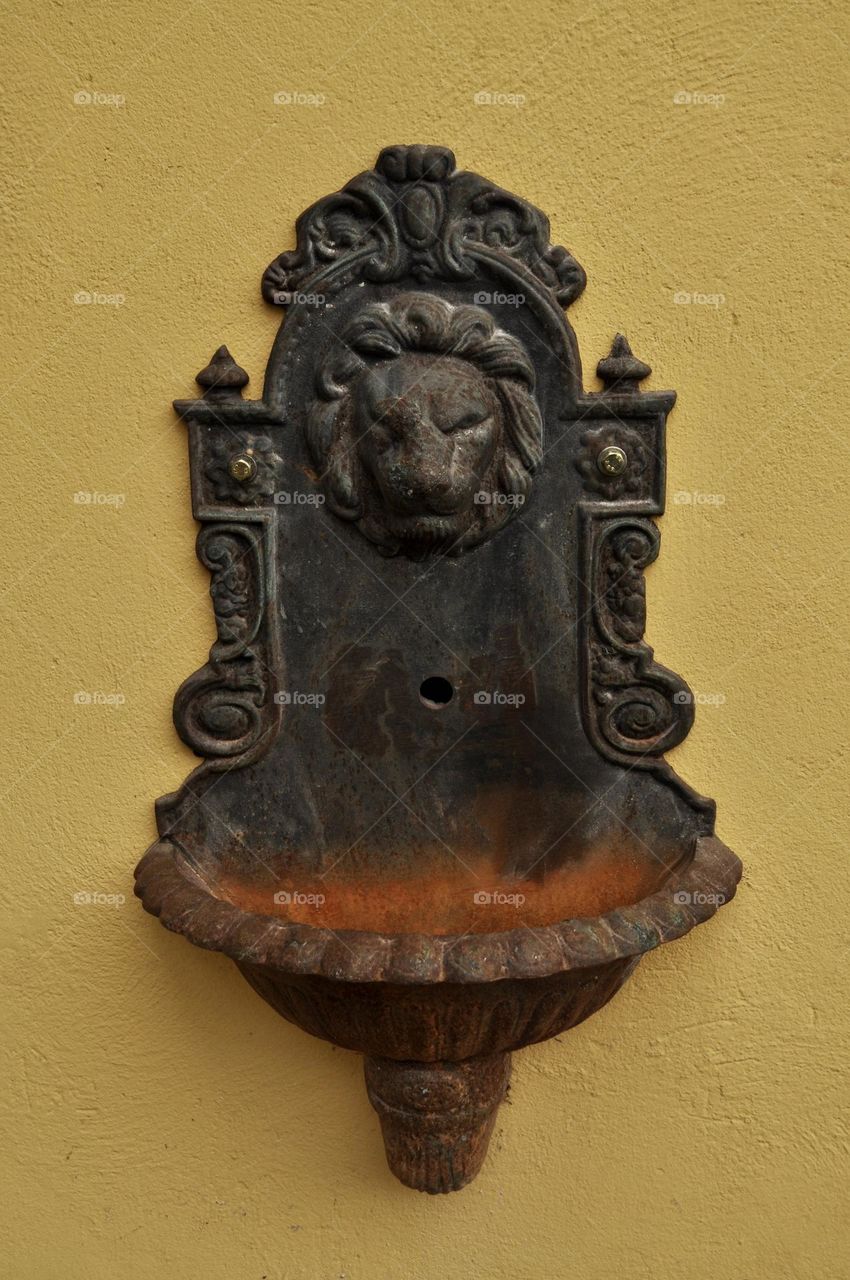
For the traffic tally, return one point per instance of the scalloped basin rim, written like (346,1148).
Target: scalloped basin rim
(172,890)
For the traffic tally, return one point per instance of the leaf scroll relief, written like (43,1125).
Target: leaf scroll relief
(225,711)
(634,706)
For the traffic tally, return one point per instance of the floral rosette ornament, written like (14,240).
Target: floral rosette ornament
(244,469)
(617,445)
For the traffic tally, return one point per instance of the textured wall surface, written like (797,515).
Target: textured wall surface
(160,1120)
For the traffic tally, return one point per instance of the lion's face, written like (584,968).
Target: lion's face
(428,429)
(425,428)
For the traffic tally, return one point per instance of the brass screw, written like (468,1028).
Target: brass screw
(612,460)
(242,467)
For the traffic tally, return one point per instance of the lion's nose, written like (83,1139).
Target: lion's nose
(421,476)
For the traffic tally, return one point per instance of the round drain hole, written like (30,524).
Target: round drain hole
(436,692)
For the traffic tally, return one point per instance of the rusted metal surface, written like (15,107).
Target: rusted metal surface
(172,889)
(437,1118)
(433,821)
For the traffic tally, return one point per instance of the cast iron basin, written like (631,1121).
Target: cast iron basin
(436,1013)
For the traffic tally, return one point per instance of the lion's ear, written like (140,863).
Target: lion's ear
(514,479)
(320,430)
(334,452)
(342,486)
(523,423)
(343,465)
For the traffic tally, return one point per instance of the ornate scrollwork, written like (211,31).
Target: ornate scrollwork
(633,705)
(225,710)
(415,215)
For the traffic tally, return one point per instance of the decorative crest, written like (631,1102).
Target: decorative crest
(415,215)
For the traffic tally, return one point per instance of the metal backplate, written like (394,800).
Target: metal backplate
(427,546)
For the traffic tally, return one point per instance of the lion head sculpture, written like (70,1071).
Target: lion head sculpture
(426,431)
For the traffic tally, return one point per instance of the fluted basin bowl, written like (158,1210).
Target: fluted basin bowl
(437,1014)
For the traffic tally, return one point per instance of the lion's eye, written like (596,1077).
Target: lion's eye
(474,418)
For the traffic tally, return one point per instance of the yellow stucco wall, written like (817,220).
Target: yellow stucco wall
(160,1120)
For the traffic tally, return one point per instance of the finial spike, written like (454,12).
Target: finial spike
(621,370)
(222,376)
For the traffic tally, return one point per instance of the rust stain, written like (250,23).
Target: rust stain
(477,899)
